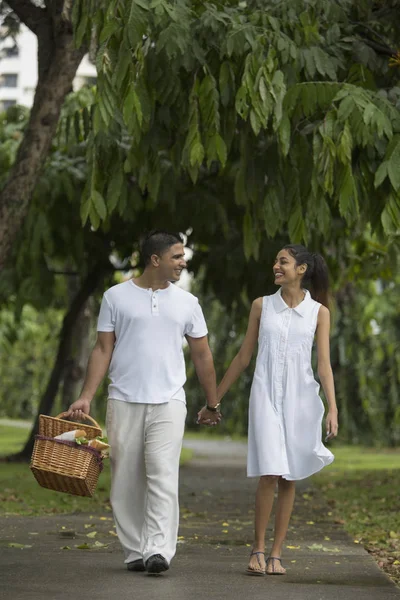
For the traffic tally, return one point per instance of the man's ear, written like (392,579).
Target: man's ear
(155,260)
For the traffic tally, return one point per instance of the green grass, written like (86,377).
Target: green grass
(362,487)
(20,494)
(12,439)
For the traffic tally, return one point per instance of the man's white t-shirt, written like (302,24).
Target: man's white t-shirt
(147,363)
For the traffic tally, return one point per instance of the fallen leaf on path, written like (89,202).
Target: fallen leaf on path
(88,525)
(111,532)
(92,534)
(327,539)
(16,545)
(83,547)
(225,524)
(98,544)
(293,547)
(292,561)
(225,531)
(310,523)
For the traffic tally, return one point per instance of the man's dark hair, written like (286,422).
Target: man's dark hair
(157,242)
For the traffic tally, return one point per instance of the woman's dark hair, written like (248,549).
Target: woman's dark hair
(316,276)
(157,242)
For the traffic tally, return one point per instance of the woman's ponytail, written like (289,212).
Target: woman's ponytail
(319,279)
(316,276)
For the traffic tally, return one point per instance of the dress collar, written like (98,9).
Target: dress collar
(280,305)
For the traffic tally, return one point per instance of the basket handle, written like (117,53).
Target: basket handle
(88,417)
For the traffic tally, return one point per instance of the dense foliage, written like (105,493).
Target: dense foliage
(293,103)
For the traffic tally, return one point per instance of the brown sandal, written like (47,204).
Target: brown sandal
(251,570)
(273,572)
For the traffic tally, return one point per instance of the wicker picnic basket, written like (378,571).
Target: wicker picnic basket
(65,466)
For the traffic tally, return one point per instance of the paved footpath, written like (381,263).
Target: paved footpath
(215,536)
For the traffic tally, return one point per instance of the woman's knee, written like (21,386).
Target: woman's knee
(269,479)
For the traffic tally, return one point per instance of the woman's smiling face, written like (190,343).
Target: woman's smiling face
(285,268)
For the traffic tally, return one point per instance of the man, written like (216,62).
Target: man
(141,326)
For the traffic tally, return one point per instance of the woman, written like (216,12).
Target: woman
(285,411)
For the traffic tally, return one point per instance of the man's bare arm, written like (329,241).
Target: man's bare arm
(204,364)
(97,368)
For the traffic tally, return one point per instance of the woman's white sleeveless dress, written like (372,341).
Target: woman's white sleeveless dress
(286,411)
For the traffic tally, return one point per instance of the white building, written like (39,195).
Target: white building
(19,70)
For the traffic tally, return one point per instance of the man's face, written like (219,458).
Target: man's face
(172,262)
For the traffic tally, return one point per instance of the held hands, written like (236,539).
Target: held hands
(79,409)
(331,425)
(208,417)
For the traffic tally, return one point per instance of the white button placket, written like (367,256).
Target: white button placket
(154,303)
(281,356)
(280,370)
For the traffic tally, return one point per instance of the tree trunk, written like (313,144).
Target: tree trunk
(75,368)
(88,287)
(58,62)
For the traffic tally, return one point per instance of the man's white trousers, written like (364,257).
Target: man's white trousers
(146,442)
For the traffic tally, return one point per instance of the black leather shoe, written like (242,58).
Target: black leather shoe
(156,564)
(136,565)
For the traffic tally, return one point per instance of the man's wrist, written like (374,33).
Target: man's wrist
(213,407)
(86,399)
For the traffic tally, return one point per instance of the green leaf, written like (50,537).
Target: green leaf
(346,107)
(272,222)
(393,167)
(345,147)
(221,149)
(284,134)
(381,174)
(309,63)
(255,122)
(97,201)
(196,154)
(114,188)
(85,209)
(241,103)
(225,83)
(296,225)
(81,30)
(132,106)
(391,215)
(108,30)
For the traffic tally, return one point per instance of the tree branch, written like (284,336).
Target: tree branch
(29,14)
(383,48)
(379,49)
